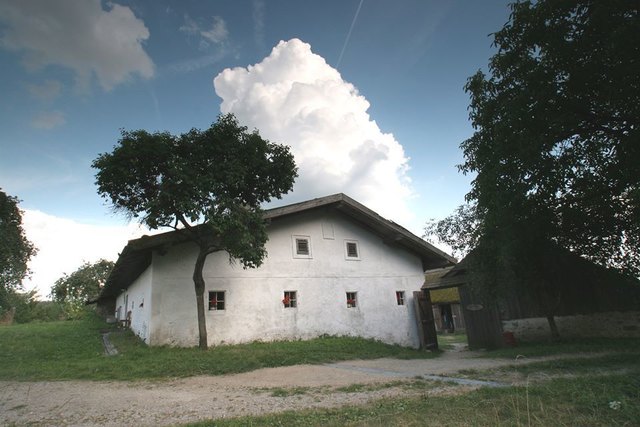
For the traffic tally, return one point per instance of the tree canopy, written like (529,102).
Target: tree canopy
(207,184)
(72,291)
(556,148)
(83,284)
(15,249)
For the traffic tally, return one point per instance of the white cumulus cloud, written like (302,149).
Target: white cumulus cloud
(294,97)
(64,245)
(80,35)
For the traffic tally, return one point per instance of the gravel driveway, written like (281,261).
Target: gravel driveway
(170,402)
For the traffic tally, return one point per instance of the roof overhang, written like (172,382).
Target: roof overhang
(137,254)
(443,278)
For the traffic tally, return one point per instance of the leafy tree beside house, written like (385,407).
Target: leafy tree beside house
(556,147)
(207,184)
(15,250)
(73,290)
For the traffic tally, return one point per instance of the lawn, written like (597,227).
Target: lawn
(451,341)
(73,350)
(600,400)
(563,346)
(596,391)
(600,390)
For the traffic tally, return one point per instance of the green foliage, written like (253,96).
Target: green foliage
(15,249)
(459,230)
(73,350)
(555,148)
(217,178)
(556,145)
(24,303)
(73,290)
(47,311)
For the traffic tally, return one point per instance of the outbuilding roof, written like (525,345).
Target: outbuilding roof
(136,255)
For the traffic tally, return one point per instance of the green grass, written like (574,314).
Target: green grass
(560,402)
(286,392)
(73,350)
(407,385)
(581,345)
(448,341)
(580,366)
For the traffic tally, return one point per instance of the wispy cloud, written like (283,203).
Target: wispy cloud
(45,92)
(195,64)
(258,23)
(216,34)
(48,120)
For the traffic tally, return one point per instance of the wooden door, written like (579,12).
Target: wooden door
(425,320)
(482,321)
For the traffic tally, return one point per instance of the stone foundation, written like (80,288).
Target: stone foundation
(610,324)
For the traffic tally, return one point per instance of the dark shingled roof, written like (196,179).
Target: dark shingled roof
(136,255)
(447,277)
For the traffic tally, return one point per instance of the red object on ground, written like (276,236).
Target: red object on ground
(509,338)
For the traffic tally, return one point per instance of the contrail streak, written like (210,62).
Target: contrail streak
(346,41)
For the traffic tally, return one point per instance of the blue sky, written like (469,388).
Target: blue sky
(368,93)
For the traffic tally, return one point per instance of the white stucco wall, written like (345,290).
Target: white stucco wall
(254,309)
(138,300)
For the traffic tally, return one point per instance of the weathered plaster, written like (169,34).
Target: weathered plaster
(254,309)
(138,299)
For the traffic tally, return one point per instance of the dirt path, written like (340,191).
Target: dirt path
(146,403)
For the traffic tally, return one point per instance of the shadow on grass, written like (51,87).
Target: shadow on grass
(577,345)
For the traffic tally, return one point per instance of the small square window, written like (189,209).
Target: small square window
(400,297)
(216,300)
(352,299)
(290,299)
(351,250)
(301,246)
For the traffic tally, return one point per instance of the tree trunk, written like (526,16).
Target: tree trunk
(555,335)
(198,282)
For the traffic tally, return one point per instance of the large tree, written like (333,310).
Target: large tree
(208,185)
(556,146)
(73,290)
(15,249)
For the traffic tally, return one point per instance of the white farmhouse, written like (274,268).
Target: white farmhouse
(333,267)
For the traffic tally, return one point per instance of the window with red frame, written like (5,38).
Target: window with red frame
(400,297)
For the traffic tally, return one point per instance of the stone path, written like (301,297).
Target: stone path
(109,348)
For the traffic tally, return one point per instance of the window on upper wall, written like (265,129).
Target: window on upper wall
(290,299)
(351,250)
(400,297)
(216,300)
(301,246)
(352,299)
